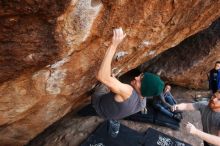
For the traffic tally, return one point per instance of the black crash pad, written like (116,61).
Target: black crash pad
(152,116)
(129,137)
(126,137)
(153,137)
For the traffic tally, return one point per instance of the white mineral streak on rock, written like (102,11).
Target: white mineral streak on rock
(60,63)
(146,43)
(77,24)
(120,55)
(56,81)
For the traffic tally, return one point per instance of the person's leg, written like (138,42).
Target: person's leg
(113,128)
(169,99)
(164,110)
(176,115)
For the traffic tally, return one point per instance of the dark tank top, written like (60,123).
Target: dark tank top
(111,109)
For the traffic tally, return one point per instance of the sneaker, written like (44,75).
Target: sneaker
(113,128)
(177,116)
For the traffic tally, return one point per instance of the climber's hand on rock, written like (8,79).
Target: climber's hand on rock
(118,36)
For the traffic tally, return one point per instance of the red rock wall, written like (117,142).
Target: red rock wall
(51,50)
(189,63)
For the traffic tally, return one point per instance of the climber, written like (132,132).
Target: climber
(114,100)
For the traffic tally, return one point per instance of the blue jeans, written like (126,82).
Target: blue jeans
(169,99)
(164,109)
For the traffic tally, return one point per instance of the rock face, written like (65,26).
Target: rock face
(51,50)
(189,63)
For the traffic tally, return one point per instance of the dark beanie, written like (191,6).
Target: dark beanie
(151,85)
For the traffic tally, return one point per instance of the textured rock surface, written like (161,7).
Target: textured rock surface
(188,63)
(51,50)
(27,36)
